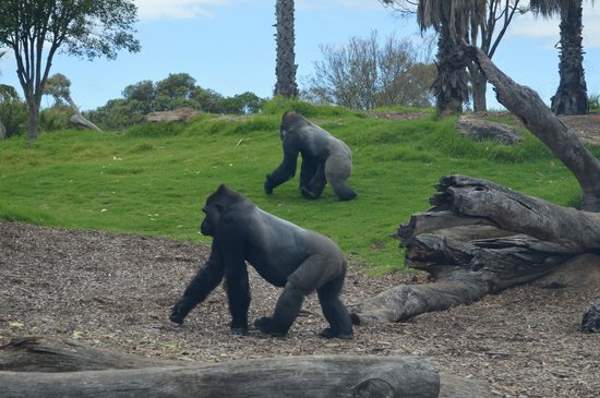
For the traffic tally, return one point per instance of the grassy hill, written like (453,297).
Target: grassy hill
(153,179)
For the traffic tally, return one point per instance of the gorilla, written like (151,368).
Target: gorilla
(284,254)
(324,159)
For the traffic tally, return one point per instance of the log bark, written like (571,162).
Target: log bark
(63,368)
(480,238)
(345,376)
(539,119)
(42,354)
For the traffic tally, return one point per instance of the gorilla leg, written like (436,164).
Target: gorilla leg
(308,170)
(334,310)
(317,183)
(238,295)
(313,273)
(337,170)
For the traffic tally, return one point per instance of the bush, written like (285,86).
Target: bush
(14,116)
(594,103)
(57,117)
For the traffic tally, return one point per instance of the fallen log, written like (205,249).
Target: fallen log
(52,368)
(281,377)
(43,354)
(480,238)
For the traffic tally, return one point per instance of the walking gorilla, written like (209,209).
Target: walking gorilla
(284,254)
(324,159)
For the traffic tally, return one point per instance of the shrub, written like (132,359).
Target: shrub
(13,114)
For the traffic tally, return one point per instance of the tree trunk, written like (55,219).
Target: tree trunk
(479,87)
(285,69)
(78,118)
(34,120)
(562,140)
(480,238)
(2,131)
(450,86)
(571,96)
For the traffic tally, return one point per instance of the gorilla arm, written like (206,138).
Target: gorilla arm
(287,168)
(206,280)
(236,283)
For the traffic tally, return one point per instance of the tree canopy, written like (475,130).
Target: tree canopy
(36,29)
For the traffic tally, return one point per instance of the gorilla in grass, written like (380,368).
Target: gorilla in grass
(284,254)
(324,159)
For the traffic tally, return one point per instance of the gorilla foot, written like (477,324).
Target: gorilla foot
(239,331)
(177,314)
(347,196)
(267,326)
(308,194)
(330,333)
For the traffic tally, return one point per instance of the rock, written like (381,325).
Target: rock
(177,115)
(479,129)
(591,319)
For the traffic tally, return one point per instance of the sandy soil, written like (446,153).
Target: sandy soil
(115,291)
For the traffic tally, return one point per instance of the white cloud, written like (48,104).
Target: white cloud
(176,9)
(332,4)
(529,26)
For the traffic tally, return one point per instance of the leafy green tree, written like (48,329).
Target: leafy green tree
(176,85)
(571,96)
(143,91)
(36,29)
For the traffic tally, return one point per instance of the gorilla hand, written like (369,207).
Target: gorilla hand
(269,185)
(178,314)
(267,326)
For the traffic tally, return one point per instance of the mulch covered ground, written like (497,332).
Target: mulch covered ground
(115,291)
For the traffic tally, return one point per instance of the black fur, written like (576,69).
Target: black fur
(284,254)
(324,159)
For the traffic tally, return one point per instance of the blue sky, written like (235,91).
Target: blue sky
(228,46)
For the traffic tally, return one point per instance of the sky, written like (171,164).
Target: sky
(229,46)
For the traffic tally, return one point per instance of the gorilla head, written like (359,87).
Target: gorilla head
(216,203)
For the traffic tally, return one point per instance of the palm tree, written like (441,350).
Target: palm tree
(452,20)
(285,69)
(571,96)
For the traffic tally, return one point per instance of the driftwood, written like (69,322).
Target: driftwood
(480,238)
(34,367)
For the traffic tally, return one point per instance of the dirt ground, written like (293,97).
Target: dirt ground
(115,291)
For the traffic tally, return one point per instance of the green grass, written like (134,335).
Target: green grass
(153,179)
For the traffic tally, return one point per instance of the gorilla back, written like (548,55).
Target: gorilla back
(284,254)
(325,158)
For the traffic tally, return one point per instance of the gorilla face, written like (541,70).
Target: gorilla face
(212,212)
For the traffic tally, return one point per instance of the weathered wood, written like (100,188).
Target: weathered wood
(591,318)
(480,238)
(539,119)
(343,376)
(42,354)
